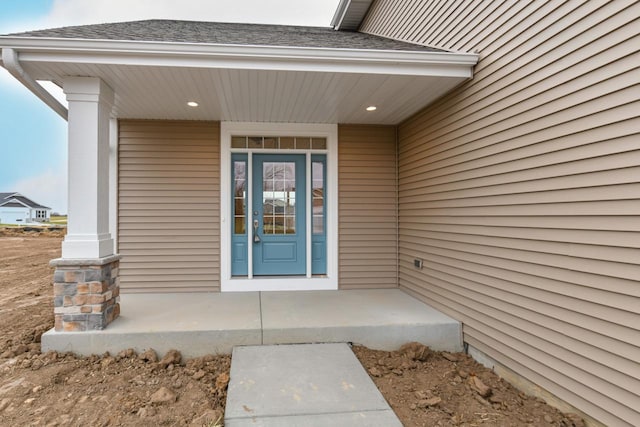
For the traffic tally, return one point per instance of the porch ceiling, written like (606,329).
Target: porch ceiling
(252,83)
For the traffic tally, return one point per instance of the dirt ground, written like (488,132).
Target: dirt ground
(424,388)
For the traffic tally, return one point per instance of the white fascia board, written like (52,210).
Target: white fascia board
(283,58)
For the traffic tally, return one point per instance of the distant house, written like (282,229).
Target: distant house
(18,209)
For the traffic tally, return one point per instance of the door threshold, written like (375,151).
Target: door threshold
(279,283)
(285,277)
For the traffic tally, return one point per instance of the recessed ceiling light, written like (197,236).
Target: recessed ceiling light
(372,108)
(192,104)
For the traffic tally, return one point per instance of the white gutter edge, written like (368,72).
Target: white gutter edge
(12,64)
(338,15)
(41,45)
(353,11)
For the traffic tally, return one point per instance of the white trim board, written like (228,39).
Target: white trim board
(280,283)
(285,58)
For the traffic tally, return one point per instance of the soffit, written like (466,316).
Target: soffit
(256,95)
(155,80)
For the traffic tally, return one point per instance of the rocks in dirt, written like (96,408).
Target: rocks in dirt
(51,355)
(199,375)
(479,387)
(426,399)
(222,380)
(426,403)
(421,395)
(146,412)
(496,399)
(126,354)
(62,420)
(463,373)
(449,356)
(107,361)
(7,354)
(195,364)
(208,418)
(163,395)
(149,355)
(20,349)
(572,420)
(482,401)
(173,357)
(416,351)
(4,404)
(375,372)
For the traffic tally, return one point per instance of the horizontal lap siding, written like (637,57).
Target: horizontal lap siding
(169,206)
(521,190)
(368,207)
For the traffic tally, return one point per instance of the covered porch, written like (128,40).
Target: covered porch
(157,178)
(206,323)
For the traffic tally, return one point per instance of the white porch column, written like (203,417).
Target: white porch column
(90,104)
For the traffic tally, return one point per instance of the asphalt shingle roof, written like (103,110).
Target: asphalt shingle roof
(4,197)
(227,34)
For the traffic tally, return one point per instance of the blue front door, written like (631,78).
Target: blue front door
(279,215)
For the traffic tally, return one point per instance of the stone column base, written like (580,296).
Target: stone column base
(86,293)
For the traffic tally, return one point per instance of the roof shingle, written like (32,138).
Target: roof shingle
(160,30)
(5,197)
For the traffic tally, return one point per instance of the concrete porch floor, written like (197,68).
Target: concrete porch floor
(213,323)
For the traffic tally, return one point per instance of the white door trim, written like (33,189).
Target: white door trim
(275,283)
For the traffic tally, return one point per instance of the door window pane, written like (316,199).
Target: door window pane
(239,142)
(318,200)
(255,142)
(239,197)
(270,142)
(279,197)
(287,143)
(319,143)
(303,143)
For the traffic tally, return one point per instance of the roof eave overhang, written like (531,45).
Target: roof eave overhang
(339,79)
(199,55)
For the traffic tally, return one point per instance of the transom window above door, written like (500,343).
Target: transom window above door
(279,142)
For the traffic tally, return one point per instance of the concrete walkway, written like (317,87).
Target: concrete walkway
(206,323)
(303,385)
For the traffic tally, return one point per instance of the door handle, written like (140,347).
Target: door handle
(256,238)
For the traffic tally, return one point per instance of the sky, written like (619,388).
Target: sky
(33,138)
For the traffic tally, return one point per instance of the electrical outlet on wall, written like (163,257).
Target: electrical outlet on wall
(417,263)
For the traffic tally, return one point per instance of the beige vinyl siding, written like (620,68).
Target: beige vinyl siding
(169,206)
(521,190)
(367,206)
